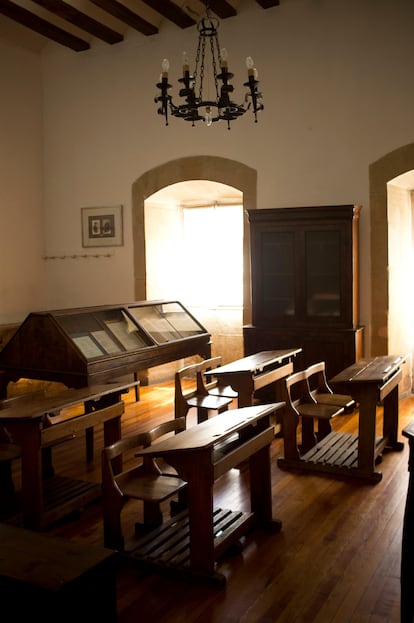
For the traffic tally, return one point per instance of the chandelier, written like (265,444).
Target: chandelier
(197,107)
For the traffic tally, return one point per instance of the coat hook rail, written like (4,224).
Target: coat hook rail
(83,256)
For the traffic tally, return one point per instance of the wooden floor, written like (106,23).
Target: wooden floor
(336,560)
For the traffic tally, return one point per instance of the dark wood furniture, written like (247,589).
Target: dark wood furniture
(407,547)
(34,426)
(206,382)
(302,407)
(322,393)
(86,346)
(201,454)
(304,281)
(191,392)
(370,382)
(50,579)
(143,481)
(254,372)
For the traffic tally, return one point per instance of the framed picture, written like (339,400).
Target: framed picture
(102,227)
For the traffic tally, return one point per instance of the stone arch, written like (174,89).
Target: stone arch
(211,168)
(382,171)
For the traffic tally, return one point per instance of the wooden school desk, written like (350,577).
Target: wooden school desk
(369,382)
(36,424)
(253,372)
(191,542)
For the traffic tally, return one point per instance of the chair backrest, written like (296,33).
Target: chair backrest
(181,394)
(316,376)
(134,442)
(204,383)
(297,390)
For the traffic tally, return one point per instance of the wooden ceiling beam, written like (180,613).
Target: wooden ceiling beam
(268,4)
(172,12)
(81,20)
(222,8)
(121,12)
(62,9)
(41,26)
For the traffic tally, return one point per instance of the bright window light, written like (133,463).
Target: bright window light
(213,254)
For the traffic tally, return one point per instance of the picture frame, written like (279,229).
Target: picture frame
(102,226)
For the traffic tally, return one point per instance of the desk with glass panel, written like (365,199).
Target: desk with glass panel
(84,346)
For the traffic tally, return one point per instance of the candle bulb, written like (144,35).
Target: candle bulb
(165,65)
(186,66)
(250,66)
(223,59)
(208,117)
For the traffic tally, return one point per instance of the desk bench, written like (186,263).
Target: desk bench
(32,428)
(369,382)
(254,372)
(214,447)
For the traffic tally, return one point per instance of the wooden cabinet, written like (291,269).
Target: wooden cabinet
(304,271)
(85,346)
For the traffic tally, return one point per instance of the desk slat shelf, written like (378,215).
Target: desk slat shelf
(335,454)
(168,547)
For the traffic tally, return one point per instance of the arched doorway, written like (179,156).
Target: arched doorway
(211,168)
(390,227)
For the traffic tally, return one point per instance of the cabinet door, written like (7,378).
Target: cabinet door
(322,274)
(303,273)
(276,280)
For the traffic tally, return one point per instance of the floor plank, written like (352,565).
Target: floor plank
(336,559)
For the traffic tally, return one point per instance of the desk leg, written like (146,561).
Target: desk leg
(244,386)
(32,486)
(390,425)
(112,433)
(367,430)
(261,488)
(200,514)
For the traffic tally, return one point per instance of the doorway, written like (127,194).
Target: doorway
(200,169)
(392,241)
(194,253)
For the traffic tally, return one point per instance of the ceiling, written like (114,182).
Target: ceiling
(75,24)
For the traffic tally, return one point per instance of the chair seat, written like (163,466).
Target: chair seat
(319,411)
(342,400)
(149,487)
(209,402)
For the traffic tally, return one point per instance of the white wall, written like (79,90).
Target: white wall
(337,96)
(22,270)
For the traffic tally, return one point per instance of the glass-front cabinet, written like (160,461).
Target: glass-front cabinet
(80,347)
(304,283)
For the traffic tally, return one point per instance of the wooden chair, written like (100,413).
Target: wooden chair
(209,383)
(300,403)
(144,481)
(196,394)
(321,391)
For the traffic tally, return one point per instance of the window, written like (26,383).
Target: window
(212,246)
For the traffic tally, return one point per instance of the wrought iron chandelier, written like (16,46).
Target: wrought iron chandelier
(196,107)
